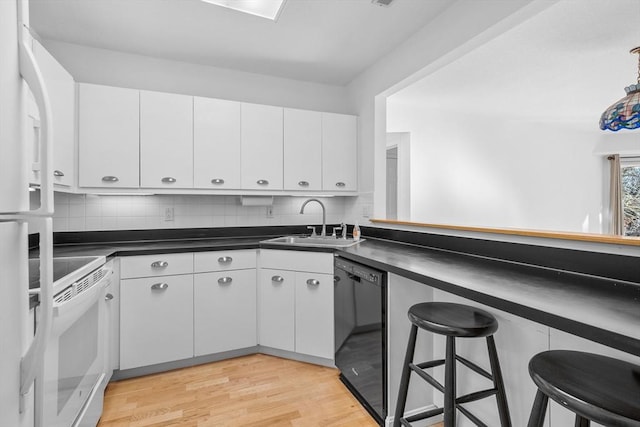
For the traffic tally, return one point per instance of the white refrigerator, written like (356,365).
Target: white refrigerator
(21,352)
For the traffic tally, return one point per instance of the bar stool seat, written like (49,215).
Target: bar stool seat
(594,387)
(453,321)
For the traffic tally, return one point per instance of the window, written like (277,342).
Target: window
(630,171)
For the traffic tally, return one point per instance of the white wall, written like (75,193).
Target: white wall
(80,212)
(492,171)
(460,28)
(100,66)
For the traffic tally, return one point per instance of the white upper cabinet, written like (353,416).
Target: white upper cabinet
(216,143)
(302,150)
(62,96)
(166,140)
(339,152)
(108,135)
(153,140)
(262,149)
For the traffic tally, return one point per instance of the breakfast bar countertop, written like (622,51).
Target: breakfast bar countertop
(599,309)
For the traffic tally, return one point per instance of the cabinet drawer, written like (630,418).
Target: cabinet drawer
(317,262)
(224,260)
(156,265)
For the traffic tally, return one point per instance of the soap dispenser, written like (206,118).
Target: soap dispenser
(356,232)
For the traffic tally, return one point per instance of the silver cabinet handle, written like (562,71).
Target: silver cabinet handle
(58,173)
(336,279)
(340,184)
(217,181)
(225,280)
(108,297)
(313,282)
(303,183)
(159,264)
(110,178)
(262,182)
(225,259)
(168,180)
(159,286)
(277,279)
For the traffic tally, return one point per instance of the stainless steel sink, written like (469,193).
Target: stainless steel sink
(314,242)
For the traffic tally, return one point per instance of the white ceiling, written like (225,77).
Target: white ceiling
(571,61)
(324,41)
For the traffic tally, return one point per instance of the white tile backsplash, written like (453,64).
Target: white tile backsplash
(80,212)
(358,209)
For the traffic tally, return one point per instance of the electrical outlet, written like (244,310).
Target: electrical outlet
(168,214)
(366,211)
(269,211)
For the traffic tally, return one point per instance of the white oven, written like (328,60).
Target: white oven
(75,371)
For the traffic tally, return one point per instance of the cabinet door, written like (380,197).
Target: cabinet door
(62,96)
(302,150)
(224,311)
(156,320)
(339,152)
(314,314)
(216,143)
(108,135)
(166,140)
(276,315)
(112,320)
(261,147)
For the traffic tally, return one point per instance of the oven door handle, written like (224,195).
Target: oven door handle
(64,314)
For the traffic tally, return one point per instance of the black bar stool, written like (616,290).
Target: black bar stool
(454,321)
(594,387)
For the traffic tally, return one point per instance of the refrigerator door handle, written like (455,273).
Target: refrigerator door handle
(31,73)
(34,357)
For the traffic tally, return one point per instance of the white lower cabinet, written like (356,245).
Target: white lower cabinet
(295,302)
(276,313)
(184,305)
(181,305)
(156,320)
(112,297)
(224,311)
(314,314)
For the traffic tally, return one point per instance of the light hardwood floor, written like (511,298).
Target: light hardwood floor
(256,390)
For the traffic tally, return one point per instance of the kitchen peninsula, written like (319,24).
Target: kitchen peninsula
(593,299)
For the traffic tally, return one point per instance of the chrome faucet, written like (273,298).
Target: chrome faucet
(323,233)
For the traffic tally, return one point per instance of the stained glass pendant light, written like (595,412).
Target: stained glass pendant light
(624,114)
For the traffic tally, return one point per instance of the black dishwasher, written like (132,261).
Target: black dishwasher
(360,333)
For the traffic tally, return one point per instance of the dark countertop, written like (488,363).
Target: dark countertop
(113,249)
(602,310)
(599,309)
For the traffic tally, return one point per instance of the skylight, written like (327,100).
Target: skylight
(269,9)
